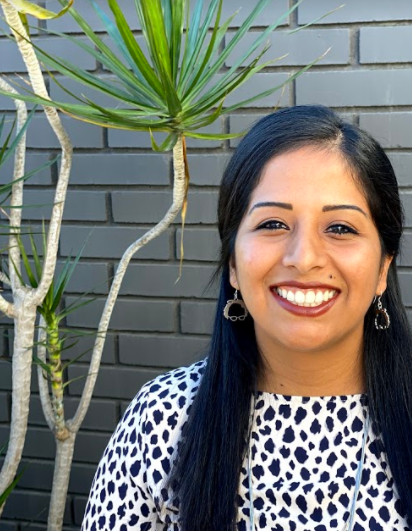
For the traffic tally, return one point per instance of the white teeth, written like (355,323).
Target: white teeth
(299,297)
(308,298)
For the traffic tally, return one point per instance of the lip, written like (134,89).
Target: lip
(305,311)
(304,285)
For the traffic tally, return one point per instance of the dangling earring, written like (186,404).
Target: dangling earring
(381,311)
(232,302)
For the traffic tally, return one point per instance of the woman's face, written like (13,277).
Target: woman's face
(307,255)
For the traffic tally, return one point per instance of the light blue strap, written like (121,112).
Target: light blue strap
(358,476)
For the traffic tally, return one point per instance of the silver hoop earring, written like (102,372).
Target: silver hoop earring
(381,312)
(232,302)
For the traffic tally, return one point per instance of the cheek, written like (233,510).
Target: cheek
(253,259)
(361,270)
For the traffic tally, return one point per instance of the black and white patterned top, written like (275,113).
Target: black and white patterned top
(305,453)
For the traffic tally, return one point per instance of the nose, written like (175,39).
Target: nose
(304,251)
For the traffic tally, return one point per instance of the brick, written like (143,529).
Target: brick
(40,134)
(5,375)
(300,48)
(407,204)
(84,91)
(10,58)
(101,415)
(138,139)
(81,478)
(241,123)
(261,83)
(150,207)
(392,130)
(119,138)
(271,13)
(405,256)
(39,442)
(120,169)
(34,161)
(136,315)
(89,447)
(207,169)
(197,318)
(201,207)
(402,164)
(7,103)
(354,11)
(112,242)
(199,244)
(69,25)
(86,343)
(405,280)
(8,526)
(79,508)
(4,408)
(160,351)
(381,45)
(87,278)
(67,50)
(5,30)
(38,475)
(355,88)
(119,382)
(79,206)
(214,128)
(161,281)
(35,507)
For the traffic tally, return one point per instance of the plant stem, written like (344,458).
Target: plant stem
(175,208)
(56,375)
(21,376)
(61,477)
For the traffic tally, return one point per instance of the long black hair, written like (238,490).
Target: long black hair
(206,474)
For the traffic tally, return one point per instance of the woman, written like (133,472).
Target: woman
(301,416)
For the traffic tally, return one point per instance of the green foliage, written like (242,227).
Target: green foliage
(180,85)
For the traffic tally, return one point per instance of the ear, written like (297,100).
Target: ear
(383,276)
(232,273)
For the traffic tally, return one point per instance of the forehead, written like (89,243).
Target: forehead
(309,175)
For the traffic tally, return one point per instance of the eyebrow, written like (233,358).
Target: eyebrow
(289,206)
(329,208)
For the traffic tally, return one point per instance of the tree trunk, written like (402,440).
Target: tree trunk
(61,477)
(179,188)
(21,377)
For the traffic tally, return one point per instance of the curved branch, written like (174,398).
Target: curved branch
(17,190)
(178,198)
(43,385)
(39,87)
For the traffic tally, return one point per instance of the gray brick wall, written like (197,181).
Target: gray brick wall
(119,188)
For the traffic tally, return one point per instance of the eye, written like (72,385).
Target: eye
(273,224)
(341,230)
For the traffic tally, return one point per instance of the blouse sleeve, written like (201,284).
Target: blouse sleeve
(119,499)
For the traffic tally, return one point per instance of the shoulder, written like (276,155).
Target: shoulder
(165,399)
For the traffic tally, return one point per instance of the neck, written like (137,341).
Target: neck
(329,372)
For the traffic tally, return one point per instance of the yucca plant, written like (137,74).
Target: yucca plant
(22,307)
(177,88)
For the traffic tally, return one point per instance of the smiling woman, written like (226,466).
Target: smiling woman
(300,418)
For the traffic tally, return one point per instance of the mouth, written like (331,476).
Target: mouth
(308,300)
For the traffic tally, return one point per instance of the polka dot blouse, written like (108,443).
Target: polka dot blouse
(305,454)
